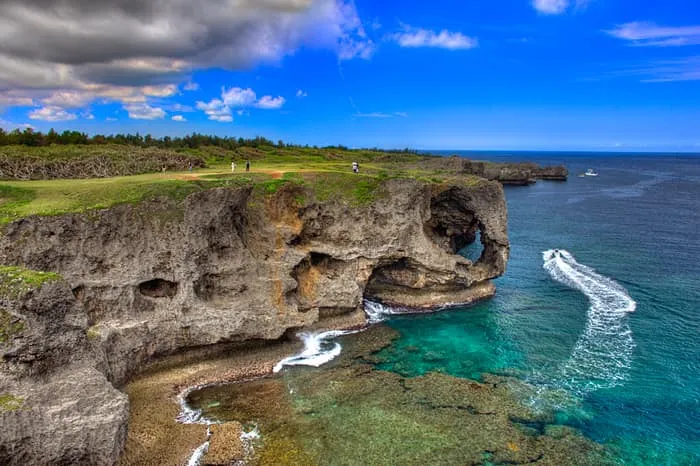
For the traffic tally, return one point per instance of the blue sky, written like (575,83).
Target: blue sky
(513,74)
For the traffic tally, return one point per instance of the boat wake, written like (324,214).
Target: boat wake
(318,350)
(602,355)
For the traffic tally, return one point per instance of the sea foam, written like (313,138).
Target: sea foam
(602,355)
(318,349)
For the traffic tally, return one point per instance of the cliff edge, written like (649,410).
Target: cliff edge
(224,266)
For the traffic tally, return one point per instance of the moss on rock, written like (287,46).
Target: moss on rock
(9,326)
(16,281)
(9,402)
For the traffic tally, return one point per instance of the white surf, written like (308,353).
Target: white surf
(602,355)
(318,350)
(378,312)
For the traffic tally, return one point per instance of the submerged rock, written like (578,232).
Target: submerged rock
(352,414)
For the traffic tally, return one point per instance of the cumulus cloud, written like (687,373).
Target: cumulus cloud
(216,110)
(270,103)
(418,37)
(179,118)
(52,113)
(104,48)
(236,97)
(144,111)
(551,7)
(68,99)
(301,94)
(646,34)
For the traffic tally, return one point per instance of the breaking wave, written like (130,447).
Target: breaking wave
(200,451)
(378,312)
(318,350)
(602,355)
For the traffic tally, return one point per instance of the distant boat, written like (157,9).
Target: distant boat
(590,172)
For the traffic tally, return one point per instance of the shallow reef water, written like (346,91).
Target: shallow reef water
(353,413)
(585,357)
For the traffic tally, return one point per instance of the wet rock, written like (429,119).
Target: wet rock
(225,446)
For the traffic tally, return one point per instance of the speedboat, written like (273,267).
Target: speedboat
(590,172)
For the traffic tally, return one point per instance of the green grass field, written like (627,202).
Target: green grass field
(327,171)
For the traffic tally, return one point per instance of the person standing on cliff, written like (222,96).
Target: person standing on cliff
(247,165)
(233,167)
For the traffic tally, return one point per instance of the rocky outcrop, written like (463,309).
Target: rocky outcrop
(66,410)
(222,267)
(518,174)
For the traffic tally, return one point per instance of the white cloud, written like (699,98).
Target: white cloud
(142,111)
(13,99)
(380,115)
(418,37)
(237,97)
(216,110)
(645,34)
(301,94)
(551,7)
(52,113)
(179,118)
(8,125)
(271,103)
(68,99)
(682,69)
(87,115)
(190,86)
(181,108)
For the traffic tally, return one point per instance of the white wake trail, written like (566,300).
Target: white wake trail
(602,355)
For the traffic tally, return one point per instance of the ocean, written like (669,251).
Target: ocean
(598,313)
(614,320)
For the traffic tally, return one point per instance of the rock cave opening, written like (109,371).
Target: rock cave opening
(158,288)
(473,251)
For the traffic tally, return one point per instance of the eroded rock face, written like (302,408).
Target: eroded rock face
(65,411)
(222,267)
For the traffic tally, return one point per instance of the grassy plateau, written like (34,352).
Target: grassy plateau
(328,171)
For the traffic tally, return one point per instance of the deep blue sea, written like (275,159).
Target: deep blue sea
(609,330)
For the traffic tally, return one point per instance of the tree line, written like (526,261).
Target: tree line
(32,138)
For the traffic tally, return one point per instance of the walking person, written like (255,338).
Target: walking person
(247,165)
(233,167)
(355,167)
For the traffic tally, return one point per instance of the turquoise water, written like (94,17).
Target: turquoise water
(629,379)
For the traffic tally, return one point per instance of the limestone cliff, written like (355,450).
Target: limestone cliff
(223,266)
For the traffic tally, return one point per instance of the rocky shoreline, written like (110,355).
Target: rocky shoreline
(225,269)
(308,416)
